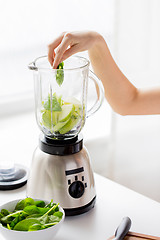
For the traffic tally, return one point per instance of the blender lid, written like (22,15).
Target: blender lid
(61,147)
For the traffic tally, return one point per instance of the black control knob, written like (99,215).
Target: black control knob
(76,189)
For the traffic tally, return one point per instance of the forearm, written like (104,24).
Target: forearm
(119,92)
(123,96)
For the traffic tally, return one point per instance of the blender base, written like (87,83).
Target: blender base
(13,179)
(80,210)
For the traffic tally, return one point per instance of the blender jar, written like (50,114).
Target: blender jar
(61,96)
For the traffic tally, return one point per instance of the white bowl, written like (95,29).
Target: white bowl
(45,234)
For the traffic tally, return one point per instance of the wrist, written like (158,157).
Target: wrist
(98,42)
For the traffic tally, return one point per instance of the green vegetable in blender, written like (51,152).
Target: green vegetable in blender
(53,103)
(60,74)
(66,112)
(69,125)
(59,125)
(64,120)
(47,118)
(30,215)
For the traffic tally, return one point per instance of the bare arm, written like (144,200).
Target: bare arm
(123,96)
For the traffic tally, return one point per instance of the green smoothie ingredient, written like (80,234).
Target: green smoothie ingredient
(30,215)
(63,115)
(54,103)
(60,74)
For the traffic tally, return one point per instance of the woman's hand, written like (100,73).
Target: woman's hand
(70,43)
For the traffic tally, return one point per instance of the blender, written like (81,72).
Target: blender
(61,167)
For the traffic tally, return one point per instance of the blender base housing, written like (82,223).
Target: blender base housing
(66,178)
(80,210)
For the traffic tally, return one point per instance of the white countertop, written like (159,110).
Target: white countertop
(113,203)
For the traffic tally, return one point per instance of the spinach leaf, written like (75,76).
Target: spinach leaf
(31,217)
(55,104)
(60,74)
(4,212)
(34,216)
(51,210)
(25,224)
(51,204)
(1,215)
(35,227)
(23,203)
(53,219)
(10,217)
(58,214)
(43,219)
(14,222)
(39,203)
(35,210)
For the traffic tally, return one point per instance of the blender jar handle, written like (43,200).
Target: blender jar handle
(100,94)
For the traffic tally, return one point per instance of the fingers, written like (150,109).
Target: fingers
(52,47)
(51,55)
(69,52)
(63,46)
(68,44)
